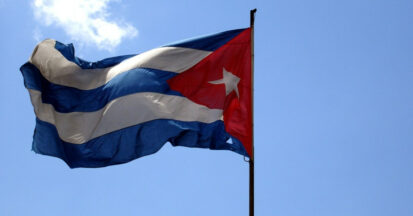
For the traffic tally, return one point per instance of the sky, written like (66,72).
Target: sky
(333,110)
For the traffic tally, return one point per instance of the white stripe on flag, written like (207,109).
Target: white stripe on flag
(122,112)
(57,69)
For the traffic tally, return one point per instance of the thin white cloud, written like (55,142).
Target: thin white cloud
(37,34)
(85,21)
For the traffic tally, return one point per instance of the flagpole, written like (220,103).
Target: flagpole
(251,161)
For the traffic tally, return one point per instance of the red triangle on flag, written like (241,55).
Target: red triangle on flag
(222,80)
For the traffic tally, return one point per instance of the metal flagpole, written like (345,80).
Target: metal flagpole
(251,161)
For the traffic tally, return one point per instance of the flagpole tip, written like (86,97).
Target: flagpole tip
(252,16)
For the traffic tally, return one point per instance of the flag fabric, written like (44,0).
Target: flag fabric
(193,93)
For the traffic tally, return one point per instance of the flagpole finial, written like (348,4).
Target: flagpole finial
(252,16)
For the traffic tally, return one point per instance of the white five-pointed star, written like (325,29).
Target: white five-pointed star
(230,80)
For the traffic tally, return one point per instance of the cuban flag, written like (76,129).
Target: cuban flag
(193,93)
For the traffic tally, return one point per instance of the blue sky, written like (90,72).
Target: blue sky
(333,111)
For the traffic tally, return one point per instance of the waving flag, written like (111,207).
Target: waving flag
(194,93)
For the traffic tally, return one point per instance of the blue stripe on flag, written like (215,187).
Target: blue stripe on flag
(209,42)
(68,51)
(133,142)
(67,99)
(31,77)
